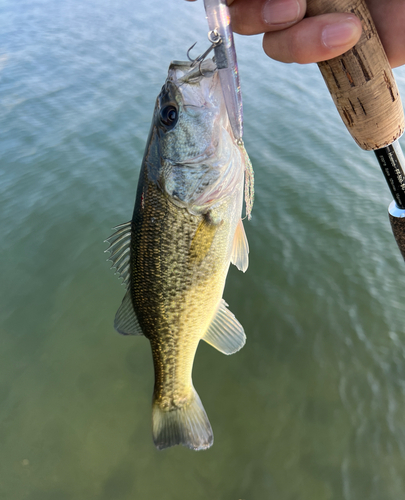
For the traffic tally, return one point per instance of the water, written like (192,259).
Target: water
(313,406)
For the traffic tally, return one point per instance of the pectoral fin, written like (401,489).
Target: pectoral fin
(202,241)
(225,333)
(240,249)
(125,321)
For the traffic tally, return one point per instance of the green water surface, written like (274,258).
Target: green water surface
(313,407)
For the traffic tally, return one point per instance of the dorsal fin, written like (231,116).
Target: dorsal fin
(240,249)
(225,333)
(120,245)
(125,321)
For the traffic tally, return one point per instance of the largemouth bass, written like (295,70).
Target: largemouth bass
(175,253)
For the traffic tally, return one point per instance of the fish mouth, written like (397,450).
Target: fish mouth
(189,72)
(190,85)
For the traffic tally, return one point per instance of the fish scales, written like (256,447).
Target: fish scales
(185,231)
(171,293)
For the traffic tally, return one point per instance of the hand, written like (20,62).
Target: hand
(289,37)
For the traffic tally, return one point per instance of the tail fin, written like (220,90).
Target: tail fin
(188,426)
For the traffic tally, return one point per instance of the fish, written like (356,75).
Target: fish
(174,254)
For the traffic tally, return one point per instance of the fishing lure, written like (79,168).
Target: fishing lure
(221,37)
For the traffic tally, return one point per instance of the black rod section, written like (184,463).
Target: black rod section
(391,161)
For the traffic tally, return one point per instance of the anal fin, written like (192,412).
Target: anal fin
(225,333)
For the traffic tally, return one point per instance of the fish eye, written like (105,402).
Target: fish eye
(168,115)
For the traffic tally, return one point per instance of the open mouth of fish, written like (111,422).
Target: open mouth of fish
(193,73)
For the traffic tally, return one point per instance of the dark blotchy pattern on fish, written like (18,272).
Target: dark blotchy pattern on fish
(175,253)
(164,280)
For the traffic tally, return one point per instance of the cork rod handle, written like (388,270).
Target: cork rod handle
(361,81)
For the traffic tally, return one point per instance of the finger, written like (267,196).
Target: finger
(314,39)
(259,16)
(389,18)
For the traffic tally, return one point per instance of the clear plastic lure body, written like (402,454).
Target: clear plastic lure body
(219,22)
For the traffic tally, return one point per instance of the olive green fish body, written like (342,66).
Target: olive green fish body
(175,254)
(179,263)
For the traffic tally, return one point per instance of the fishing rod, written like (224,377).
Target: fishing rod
(366,96)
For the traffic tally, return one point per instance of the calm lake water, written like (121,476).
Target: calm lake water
(313,407)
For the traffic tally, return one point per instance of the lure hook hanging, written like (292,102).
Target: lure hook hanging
(215,38)
(189,50)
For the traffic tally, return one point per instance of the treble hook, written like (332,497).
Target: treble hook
(189,50)
(215,38)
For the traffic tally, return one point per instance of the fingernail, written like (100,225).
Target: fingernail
(280,11)
(338,34)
